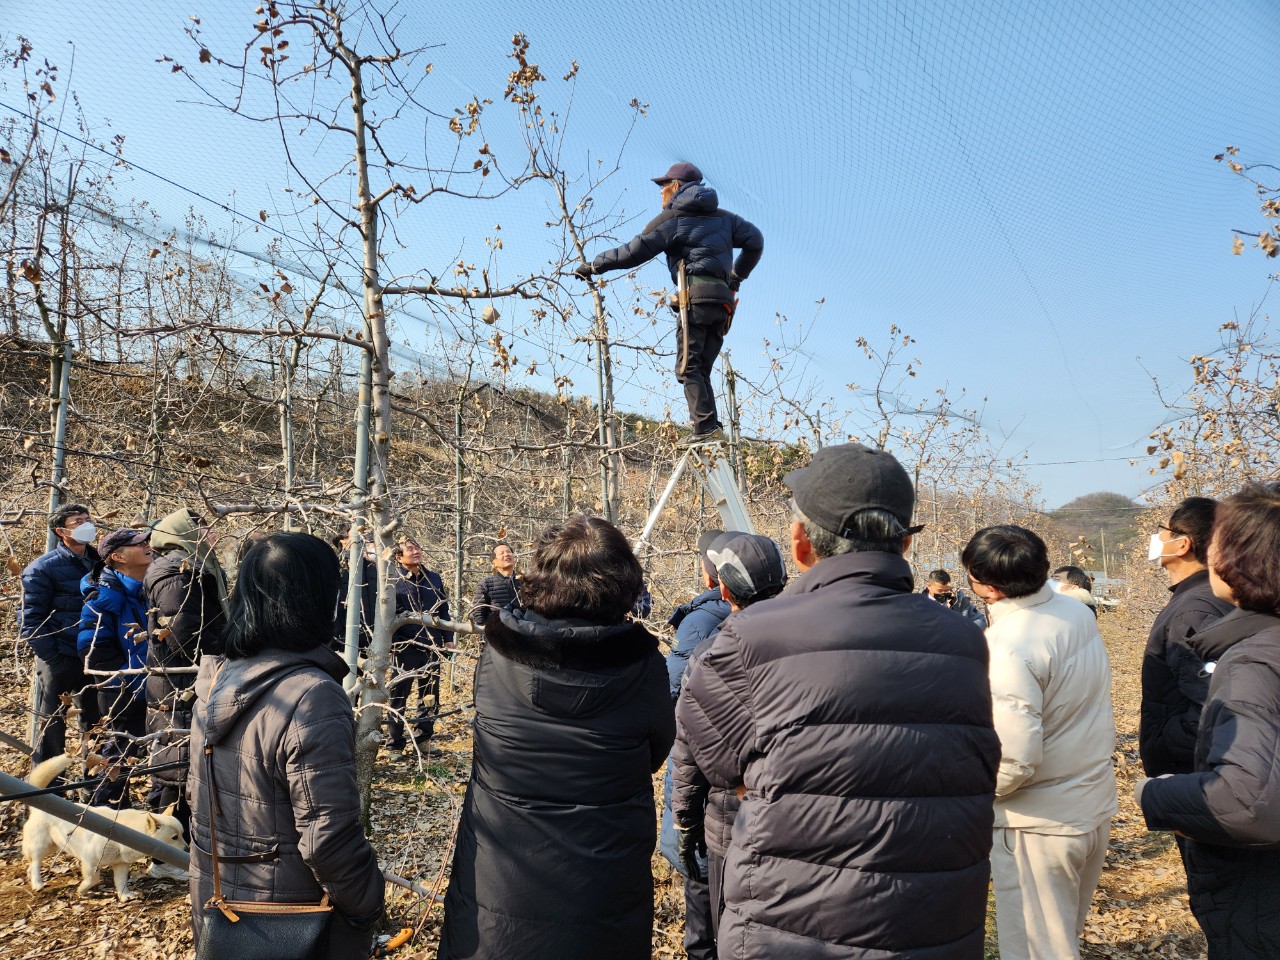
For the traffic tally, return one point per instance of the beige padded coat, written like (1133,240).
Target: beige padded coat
(1051,693)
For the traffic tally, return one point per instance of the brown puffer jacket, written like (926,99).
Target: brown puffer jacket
(283,738)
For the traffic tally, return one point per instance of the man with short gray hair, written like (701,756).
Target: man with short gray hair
(853,716)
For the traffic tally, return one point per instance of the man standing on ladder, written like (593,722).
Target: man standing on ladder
(699,239)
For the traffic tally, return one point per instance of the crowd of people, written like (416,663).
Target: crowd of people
(852,763)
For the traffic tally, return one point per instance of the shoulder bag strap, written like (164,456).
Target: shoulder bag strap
(215,809)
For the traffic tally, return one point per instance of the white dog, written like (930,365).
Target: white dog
(43,832)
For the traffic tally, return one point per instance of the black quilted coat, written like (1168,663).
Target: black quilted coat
(858,716)
(185,620)
(558,824)
(1229,808)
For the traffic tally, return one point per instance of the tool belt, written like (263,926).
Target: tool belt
(703,290)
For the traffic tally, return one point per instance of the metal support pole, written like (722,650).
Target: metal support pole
(360,480)
(735,427)
(60,439)
(643,539)
(17,744)
(86,819)
(459,515)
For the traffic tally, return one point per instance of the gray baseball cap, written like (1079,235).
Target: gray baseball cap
(749,564)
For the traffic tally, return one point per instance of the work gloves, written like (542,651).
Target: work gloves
(735,282)
(691,843)
(583,271)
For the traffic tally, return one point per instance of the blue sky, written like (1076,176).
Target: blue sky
(1026,188)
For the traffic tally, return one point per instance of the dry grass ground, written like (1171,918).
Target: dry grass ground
(1140,910)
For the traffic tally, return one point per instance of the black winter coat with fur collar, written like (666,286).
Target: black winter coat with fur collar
(558,825)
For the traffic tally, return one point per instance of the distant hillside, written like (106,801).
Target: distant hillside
(1101,511)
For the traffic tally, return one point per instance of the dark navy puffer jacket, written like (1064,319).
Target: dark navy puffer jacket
(495,592)
(694,229)
(51,602)
(1229,808)
(857,714)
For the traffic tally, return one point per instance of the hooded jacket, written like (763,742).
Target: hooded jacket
(695,623)
(113,627)
(52,602)
(186,589)
(1173,685)
(557,828)
(857,714)
(694,229)
(1229,808)
(283,739)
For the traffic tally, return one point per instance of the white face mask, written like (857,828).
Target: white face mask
(85,533)
(1156,550)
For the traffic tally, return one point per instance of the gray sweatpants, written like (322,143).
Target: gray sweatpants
(1044,886)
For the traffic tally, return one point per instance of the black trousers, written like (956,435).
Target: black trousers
(697,354)
(699,921)
(420,669)
(125,717)
(52,681)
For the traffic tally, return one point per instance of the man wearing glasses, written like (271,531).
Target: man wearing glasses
(1173,690)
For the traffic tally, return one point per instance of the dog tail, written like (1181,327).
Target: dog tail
(45,772)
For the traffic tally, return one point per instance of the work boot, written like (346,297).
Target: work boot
(696,439)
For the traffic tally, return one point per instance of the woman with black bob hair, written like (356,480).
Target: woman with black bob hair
(1227,808)
(573,717)
(282,735)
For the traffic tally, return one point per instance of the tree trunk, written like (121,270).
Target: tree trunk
(373,695)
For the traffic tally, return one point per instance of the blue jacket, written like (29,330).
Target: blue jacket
(694,229)
(113,605)
(696,621)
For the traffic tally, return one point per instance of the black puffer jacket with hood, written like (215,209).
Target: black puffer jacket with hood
(283,738)
(1229,808)
(694,229)
(857,715)
(557,831)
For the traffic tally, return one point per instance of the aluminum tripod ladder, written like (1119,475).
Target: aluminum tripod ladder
(712,467)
